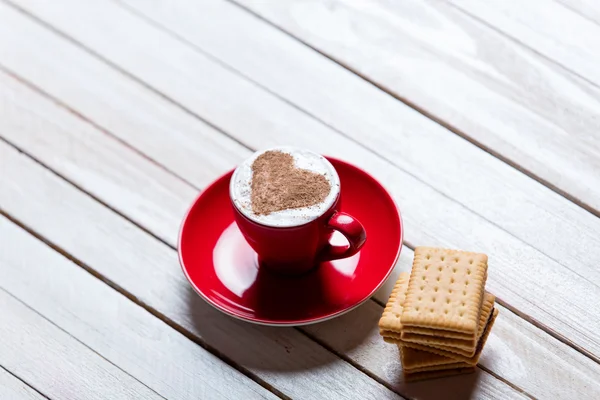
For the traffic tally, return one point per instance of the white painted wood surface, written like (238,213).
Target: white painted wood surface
(145,155)
(510,100)
(112,326)
(463,173)
(565,31)
(80,141)
(588,9)
(262,119)
(374,356)
(120,252)
(516,351)
(13,388)
(46,357)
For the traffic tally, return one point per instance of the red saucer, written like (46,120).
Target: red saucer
(222,267)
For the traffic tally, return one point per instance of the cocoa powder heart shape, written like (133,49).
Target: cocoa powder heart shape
(277,184)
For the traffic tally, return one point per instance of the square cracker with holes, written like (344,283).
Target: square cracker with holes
(440,338)
(392,329)
(486,307)
(453,353)
(414,360)
(488,316)
(389,324)
(445,290)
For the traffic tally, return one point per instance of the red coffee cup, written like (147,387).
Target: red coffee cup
(299,248)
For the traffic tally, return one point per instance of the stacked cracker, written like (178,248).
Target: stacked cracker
(440,316)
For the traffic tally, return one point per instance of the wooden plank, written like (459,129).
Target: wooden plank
(54,362)
(510,101)
(13,388)
(515,350)
(48,152)
(151,122)
(565,31)
(375,357)
(122,253)
(473,168)
(504,81)
(262,119)
(586,8)
(107,322)
(483,387)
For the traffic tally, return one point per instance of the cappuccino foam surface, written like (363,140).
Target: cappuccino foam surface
(240,189)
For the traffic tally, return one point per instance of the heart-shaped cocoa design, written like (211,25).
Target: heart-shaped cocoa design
(277,184)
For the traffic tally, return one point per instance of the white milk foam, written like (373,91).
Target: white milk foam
(241,181)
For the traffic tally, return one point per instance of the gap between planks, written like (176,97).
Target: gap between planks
(359,367)
(122,71)
(155,312)
(34,311)
(516,166)
(530,320)
(102,202)
(113,285)
(579,12)
(404,100)
(124,292)
(182,330)
(195,115)
(166,319)
(367,149)
(381,87)
(24,382)
(514,310)
(508,34)
(235,139)
(79,115)
(375,152)
(507,382)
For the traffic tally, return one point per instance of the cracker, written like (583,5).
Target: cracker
(462,352)
(390,334)
(437,332)
(418,376)
(414,360)
(390,320)
(445,290)
(471,360)
(484,315)
(441,339)
(462,344)
(401,343)
(454,365)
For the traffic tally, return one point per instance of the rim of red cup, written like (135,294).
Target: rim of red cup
(261,321)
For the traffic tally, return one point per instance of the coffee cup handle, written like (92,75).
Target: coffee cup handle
(354,232)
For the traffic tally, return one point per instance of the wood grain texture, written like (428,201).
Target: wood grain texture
(107,322)
(122,253)
(54,362)
(13,388)
(430,217)
(588,9)
(485,383)
(371,353)
(136,116)
(515,350)
(490,89)
(461,170)
(563,31)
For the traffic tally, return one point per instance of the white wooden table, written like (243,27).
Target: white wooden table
(481,117)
